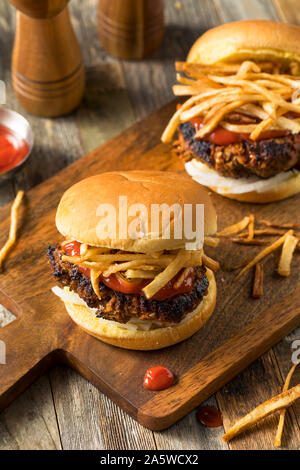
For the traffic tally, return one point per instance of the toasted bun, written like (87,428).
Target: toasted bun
(146,340)
(77,216)
(257,40)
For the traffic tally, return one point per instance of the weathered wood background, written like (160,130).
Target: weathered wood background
(62,410)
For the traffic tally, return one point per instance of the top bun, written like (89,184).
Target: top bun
(257,40)
(77,217)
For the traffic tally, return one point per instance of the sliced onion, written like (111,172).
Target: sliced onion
(208,177)
(133,324)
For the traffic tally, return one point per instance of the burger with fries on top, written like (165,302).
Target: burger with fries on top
(239,131)
(125,280)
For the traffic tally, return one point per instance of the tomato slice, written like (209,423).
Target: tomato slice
(220,136)
(119,283)
(169,291)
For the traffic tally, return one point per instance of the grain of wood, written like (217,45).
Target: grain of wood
(29,423)
(231,10)
(288,10)
(89,420)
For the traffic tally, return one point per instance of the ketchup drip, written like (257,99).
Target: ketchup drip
(209,417)
(13,149)
(158,378)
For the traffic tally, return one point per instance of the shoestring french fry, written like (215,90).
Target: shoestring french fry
(279,402)
(288,248)
(13,228)
(264,253)
(279,432)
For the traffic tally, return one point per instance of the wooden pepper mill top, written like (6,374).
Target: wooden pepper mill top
(40,8)
(130,29)
(47,70)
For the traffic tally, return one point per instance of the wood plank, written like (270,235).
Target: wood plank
(288,10)
(89,420)
(30,422)
(231,10)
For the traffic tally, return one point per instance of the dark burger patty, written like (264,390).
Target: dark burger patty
(121,307)
(263,158)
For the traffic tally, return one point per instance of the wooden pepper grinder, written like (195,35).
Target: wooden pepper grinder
(131,29)
(47,70)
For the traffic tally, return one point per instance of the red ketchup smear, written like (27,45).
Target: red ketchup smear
(72,248)
(158,378)
(13,149)
(220,136)
(209,417)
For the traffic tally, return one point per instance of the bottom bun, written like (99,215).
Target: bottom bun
(147,340)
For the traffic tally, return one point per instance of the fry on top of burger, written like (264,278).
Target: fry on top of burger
(239,132)
(145,291)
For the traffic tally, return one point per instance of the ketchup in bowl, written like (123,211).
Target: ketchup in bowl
(13,149)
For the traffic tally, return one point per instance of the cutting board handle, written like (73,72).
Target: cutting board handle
(24,354)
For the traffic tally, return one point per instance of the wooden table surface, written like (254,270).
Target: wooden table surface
(62,410)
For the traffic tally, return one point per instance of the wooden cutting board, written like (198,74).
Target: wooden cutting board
(239,331)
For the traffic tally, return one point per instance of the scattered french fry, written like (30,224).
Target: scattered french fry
(13,227)
(258,284)
(235,228)
(283,411)
(210,241)
(280,226)
(264,253)
(210,263)
(246,241)
(251,228)
(262,232)
(288,248)
(276,403)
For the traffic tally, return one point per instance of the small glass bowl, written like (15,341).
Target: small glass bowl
(20,126)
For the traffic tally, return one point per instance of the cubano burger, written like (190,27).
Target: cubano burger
(144,292)
(239,131)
